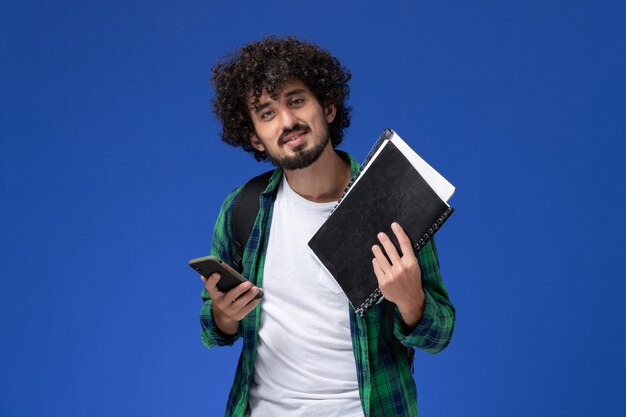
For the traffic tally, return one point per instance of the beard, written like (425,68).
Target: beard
(303,157)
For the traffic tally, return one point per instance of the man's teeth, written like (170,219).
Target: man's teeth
(294,138)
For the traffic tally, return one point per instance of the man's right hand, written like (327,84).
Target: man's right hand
(229,308)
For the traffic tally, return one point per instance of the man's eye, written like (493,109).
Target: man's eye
(297,102)
(267,114)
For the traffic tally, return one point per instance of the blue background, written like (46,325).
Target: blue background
(112,174)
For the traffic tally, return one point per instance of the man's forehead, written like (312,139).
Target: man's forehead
(275,93)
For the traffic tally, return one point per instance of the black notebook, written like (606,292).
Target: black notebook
(393,184)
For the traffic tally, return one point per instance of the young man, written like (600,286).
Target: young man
(305,351)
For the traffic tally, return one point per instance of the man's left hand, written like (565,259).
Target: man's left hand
(399,275)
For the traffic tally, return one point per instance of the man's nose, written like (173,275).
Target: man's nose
(288,118)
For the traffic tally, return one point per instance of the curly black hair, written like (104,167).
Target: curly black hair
(265,66)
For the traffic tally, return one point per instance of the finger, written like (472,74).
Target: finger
(211,284)
(380,274)
(380,257)
(243,305)
(203,278)
(390,249)
(403,239)
(245,310)
(245,298)
(236,292)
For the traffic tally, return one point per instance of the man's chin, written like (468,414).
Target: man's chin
(301,159)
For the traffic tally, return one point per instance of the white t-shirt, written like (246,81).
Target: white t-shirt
(305,365)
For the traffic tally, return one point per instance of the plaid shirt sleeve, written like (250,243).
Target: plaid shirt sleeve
(221,247)
(434,331)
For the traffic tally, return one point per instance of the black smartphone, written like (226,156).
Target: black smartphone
(229,277)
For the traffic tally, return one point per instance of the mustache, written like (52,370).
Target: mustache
(294,128)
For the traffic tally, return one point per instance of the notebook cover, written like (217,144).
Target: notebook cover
(390,190)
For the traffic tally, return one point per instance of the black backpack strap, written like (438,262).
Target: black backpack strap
(244,213)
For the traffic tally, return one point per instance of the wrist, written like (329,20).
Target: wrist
(413,311)
(225,325)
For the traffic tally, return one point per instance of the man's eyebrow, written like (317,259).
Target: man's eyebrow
(295,92)
(258,107)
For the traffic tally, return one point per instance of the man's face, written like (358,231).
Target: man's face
(293,129)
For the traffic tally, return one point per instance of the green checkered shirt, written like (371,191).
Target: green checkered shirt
(386,386)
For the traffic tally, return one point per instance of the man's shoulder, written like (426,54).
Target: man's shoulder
(238,212)
(231,197)
(258,184)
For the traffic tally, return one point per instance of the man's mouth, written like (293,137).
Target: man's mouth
(293,136)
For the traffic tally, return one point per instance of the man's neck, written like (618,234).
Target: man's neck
(324,180)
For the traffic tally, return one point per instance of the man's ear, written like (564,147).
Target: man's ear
(331,112)
(256,143)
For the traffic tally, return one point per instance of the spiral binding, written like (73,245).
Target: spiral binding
(370,301)
(440,221)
